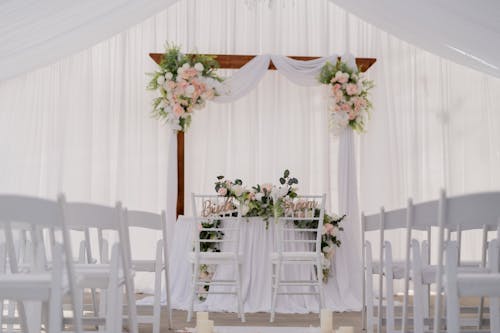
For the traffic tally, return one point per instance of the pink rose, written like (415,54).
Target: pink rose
(189,73)
(208,95)
(336,87)
(345,107)
(171,85)
(222,191)
(351,89)
(341,77)
(327,228)
(267,187)
(338,95)
(178,110)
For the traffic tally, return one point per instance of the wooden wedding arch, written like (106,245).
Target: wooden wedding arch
(230,61)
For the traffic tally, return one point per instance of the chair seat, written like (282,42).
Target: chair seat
(429,272)
(23,286)
(214,257)
(398,268)
(96,275)
(144,265)
(480,284)
(294,256)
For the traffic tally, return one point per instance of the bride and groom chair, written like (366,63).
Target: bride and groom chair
(216,242)
(216,233)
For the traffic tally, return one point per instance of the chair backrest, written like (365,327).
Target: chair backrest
(39,214)
(28,217)
(464,212)
(147,220)
(302,223)
(30,210)
(81,216)
(216,224)
(84,216)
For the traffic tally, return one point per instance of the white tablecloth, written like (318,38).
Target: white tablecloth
(256,244)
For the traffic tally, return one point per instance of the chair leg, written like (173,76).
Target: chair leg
(277,277)
(194,278)
(495,314)
(319,276)
(102,308)
(241,310)
(389,288)
(156,303)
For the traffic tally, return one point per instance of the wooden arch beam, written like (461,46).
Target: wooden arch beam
(230,61)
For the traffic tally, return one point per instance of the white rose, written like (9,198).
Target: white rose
(283,191)
(160,80)
(168,76)
(237,189)
(180,70)
(259,196)
(189,90)
(199,67)
(185,66)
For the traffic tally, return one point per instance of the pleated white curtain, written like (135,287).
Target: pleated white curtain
(82,125)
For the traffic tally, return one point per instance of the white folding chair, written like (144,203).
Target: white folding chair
(225,220)
(385,267)
(110,276)
(473,284)
(39,282)
(476,211)
(152,221)
(296,246)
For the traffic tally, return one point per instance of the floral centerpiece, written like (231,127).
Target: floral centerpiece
(270,201)
(349,104)
(184,83)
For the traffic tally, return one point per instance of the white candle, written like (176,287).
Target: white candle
(205,326)
(326,321)
(201,316)
(345,329)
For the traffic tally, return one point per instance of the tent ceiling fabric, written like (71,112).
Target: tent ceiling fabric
(37,33)
(464,31)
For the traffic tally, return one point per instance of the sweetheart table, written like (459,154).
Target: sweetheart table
(256,244)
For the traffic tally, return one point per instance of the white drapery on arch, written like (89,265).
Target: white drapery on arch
(347,259)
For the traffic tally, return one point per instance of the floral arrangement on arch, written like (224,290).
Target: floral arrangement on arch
(184,83)
(349,104)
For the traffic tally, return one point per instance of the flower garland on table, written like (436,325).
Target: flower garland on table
(349,104)
(184,83)
(270,201)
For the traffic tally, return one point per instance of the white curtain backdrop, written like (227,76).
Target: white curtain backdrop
(82,125)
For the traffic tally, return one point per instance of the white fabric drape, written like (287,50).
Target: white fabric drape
(459,30)
(82,125)
(302,73)
(37,33)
